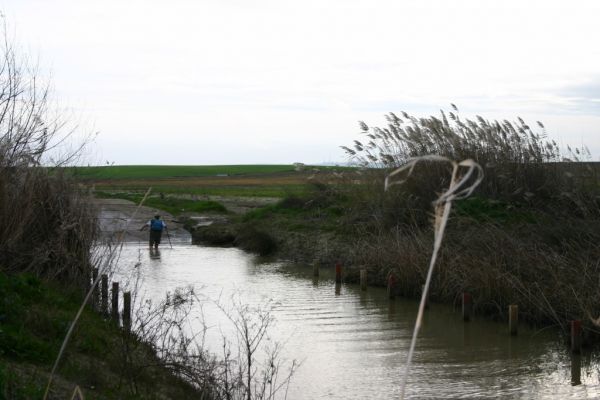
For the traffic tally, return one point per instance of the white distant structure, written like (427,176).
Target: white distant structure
(298,166)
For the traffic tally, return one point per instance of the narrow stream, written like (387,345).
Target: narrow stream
(353,344)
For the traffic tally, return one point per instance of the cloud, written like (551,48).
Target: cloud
(149,67)
(583,97)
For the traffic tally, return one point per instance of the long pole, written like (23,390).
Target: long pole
(168,236)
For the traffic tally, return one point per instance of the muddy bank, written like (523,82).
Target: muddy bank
(325,248)
(226,233)
(118,217)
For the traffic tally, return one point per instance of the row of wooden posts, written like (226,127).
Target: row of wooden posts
(100,300)
(467,305)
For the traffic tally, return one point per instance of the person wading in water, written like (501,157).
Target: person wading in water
(156,226)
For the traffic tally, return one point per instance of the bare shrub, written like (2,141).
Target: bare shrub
(47,227)
(244,374)
(161,339)
(250,366)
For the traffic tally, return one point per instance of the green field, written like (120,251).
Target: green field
(209,180)
(262,190)
(174,171)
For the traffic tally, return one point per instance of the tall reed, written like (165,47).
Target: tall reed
(521,164)
(528,236)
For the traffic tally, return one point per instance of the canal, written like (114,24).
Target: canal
(353,344)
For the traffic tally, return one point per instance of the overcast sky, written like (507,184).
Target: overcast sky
(239,81)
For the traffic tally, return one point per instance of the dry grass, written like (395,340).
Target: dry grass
(552,281)
(521,164)
(466,176)
(529,236)
(47,227)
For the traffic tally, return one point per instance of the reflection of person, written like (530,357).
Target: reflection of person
(154,254)
(156,226)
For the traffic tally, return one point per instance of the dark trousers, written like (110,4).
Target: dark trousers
(155,238)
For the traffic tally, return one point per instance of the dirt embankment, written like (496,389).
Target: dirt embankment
(274,238)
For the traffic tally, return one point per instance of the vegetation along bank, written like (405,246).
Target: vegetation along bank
(528,235)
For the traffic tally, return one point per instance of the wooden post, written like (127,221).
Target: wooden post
(467,306)
(576,369)
(363,279)
(338,272)
(104,290)
(96,291)
(513,319)
(391,285)
(315,281)
(391,310)
(338,288)
(127,311)
(576,336)
(316,268)
(115,302)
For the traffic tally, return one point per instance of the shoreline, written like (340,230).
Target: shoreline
(476,258)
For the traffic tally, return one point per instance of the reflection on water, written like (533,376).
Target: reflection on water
(154,254)
(353,344)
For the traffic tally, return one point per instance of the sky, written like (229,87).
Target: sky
(282,81)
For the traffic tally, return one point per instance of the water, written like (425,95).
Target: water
(353,344)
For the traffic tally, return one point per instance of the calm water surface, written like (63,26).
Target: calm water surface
(353,345)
